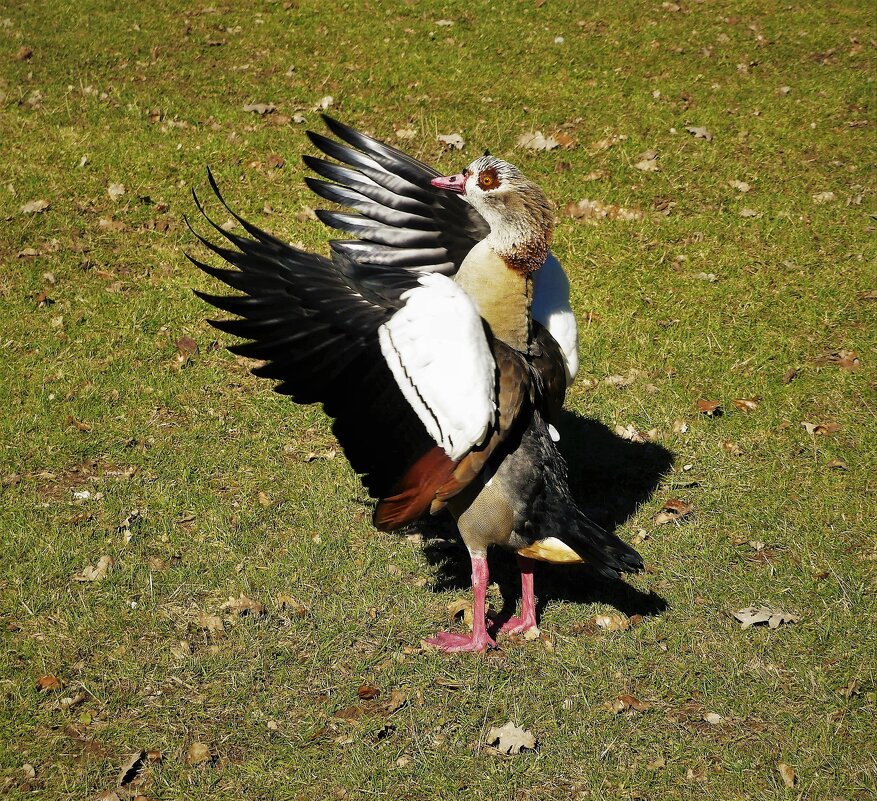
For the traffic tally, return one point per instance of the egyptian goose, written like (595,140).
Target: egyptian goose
(420,339)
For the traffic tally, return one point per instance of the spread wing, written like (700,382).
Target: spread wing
(400,360)
(403,222)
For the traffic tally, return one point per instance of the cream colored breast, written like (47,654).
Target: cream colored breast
(501,295)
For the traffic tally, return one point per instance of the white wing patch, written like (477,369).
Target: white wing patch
(438,354)
(551,308)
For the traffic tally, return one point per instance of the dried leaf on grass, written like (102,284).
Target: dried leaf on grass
(536,141)
(787,774)
(632,434)
(510,739)
(289,603)
(198,754)
(740,186)
(48,683)
(115,191)
(35,207)
(753,616)
(260,108)
(97,572)
(212,623)
(699,133)
(597,210)
(673,511)
(626,703)
(454,141)
(242,605)
(406,133)
(845,359)
(823,429)
(747,404)
(612,622)
(647,161)
(824,197)
(133,765)
(461,608)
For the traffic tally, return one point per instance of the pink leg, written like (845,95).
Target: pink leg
(527,620)
(479,639)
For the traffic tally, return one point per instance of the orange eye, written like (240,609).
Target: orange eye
(488,179)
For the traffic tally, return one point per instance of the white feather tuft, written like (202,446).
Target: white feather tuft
(438,354)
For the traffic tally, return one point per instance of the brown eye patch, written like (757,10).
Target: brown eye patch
(488,179)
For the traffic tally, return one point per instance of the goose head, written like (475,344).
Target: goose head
(516,209)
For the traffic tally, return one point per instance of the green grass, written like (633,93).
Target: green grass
(195,447)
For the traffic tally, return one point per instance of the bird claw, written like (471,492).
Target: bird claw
(456,643)
(517,625)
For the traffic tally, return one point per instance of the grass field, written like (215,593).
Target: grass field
(109,115)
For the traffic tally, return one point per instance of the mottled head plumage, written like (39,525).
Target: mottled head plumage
(519,214)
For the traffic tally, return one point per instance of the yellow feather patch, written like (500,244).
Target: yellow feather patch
(551,549)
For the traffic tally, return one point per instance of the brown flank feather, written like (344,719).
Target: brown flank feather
(415,491)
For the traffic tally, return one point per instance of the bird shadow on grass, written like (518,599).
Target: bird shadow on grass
(610,478)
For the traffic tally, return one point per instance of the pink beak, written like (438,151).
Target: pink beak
(453,183)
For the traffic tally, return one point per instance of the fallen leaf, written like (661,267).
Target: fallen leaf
(868,294)
(454,141)
(35,207)
(98,572)
(212,623)
(745,212)
(287,602)
(712,718)
(324,103)
(276,162)
(24,53)
(823,197)
(566,141)
(837,464)
(731,447)
(740,186)
(444,23)
(368,692)
(790,375)
(710,408)
(753,616)
(406,133)
(394,702)
(461,608)
(115,191)
(131,767)
(747,404)
(823,429)
(679,426)
(260,108)
(593,210)
(845,359)
(48,683)
(242,605)
(612,622)
(510,739)
(536,141)
(647,161)
(328,455)
(699,133)
(198,754)
(673,510)
(182,650)
(787,774)
(626,702)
